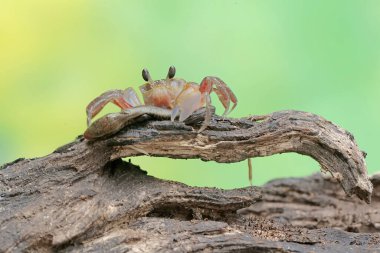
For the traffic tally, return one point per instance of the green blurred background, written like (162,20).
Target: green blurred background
(317,56)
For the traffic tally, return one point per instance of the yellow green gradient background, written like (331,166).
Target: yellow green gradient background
(317,56)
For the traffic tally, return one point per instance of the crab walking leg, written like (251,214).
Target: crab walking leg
(122,98)
(193,97)
(187,102)
(208,115)
(96,105)
(225,94)
(231,95)
(222,93)
(131,97)
(175,113)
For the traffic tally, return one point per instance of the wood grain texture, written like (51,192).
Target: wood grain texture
(233,140)
(82,197)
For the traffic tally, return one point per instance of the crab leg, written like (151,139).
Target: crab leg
(193,97)
(224,93)
(208,115)
(187,102)
(122,98)
(221,89)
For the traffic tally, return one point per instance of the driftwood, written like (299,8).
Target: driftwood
(84,198)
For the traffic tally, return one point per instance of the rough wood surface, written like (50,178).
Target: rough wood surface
(233,140)
(84,198)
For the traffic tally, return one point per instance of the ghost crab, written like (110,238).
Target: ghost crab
(175,94)
(166,98)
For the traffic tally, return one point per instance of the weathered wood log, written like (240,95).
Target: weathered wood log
(84,198)
(230,140)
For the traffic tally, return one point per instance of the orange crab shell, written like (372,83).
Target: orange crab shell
(166,93)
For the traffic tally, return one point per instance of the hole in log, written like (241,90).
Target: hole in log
(181,212)
(227,175)
(172,211)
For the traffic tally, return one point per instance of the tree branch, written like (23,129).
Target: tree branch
(84,198)
(233,140)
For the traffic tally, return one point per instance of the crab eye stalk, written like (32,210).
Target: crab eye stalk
(171,72)
(146,76)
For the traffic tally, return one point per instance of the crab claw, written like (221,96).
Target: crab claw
(187,102)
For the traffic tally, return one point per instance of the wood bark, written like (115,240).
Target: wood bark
(84,198)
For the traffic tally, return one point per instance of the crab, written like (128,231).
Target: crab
(175,94)
(166,98)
